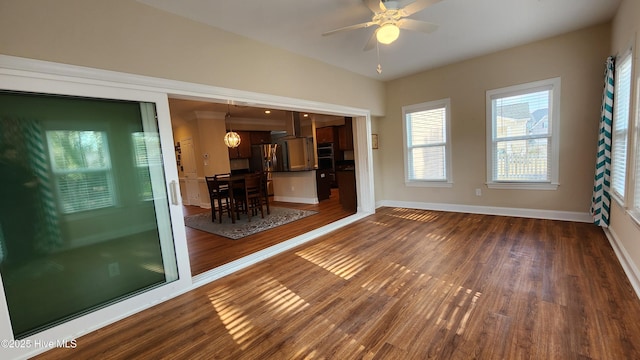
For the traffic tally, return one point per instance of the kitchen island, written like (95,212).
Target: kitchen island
(295,186)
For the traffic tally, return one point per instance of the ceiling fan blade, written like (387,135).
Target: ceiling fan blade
(375,5)
(416,6)
(416,25)
(372,42)
(351,27)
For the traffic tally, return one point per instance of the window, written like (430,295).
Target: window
(427,143)
(619,137)
(82,169)
(522,136)
(636,204)
(147,154)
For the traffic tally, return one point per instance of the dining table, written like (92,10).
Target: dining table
(236,183)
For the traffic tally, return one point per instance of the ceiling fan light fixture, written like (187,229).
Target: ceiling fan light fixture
(387,33)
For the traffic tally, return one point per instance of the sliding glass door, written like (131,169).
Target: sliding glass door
(84,209)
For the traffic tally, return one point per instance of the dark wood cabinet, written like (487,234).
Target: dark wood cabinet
(345,135)
(248,138)
(347,189)
(323,183)
(243,151)
(260,137)
(327,134)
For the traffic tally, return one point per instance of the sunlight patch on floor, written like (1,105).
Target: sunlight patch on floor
(414,215)
(275,300)
(279,299)
(456,303)
(378,223)
(238,325)
(386,282)
(343,265)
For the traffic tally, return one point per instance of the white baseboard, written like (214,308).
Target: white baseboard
(625,260)
(491,210)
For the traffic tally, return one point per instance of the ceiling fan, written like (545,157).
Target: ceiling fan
(390,19)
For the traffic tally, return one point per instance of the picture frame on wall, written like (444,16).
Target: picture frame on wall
(374,141)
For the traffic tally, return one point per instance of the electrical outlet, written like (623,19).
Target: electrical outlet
(114,269)
(478,192)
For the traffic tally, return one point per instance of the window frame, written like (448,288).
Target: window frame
(554,86)
(617,134)
(426,106)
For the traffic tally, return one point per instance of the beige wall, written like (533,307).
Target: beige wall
(211,133)
(625,230)
(126,36)
(576,57)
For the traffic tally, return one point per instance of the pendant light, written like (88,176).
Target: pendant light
(232,138)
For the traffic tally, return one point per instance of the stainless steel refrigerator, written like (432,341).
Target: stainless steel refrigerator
(263,158)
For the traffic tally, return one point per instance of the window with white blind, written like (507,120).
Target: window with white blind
(636,203)
(522,136)
(82,169)
(427,143)
(620,133)
(148,158)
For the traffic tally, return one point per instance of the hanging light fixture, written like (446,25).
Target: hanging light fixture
(387,33)
(232,138)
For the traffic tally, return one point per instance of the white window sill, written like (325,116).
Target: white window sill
(635,216)
(522,186)
(426,183)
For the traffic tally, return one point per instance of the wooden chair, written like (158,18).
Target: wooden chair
(265,190)
(219,196)
(252,196)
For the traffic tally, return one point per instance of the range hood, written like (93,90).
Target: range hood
(292,127)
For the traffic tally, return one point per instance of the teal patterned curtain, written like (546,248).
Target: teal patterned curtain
(601,199)
(27,136)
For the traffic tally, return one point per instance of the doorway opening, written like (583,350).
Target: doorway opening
(203,123)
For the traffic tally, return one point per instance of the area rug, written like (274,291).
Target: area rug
(242,227)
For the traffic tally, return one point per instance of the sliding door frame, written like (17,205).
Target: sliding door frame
(37,76)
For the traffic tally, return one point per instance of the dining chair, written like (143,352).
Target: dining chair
(265,189)
(252,196)
(219,196)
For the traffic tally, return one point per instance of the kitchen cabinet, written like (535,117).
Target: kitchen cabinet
(345,135)
(347,189)
(327,134)
(260,137)
(323,183)
(243,151)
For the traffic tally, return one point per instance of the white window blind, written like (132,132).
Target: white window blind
(427,141)
(522,127)
(636,204)
(621,101)
(82,169)
(147,156)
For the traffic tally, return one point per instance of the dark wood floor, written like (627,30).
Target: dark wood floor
(402,284)
(207,251)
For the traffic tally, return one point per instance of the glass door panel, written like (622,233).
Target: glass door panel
(84,211)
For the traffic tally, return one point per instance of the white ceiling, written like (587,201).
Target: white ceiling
(467,28)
